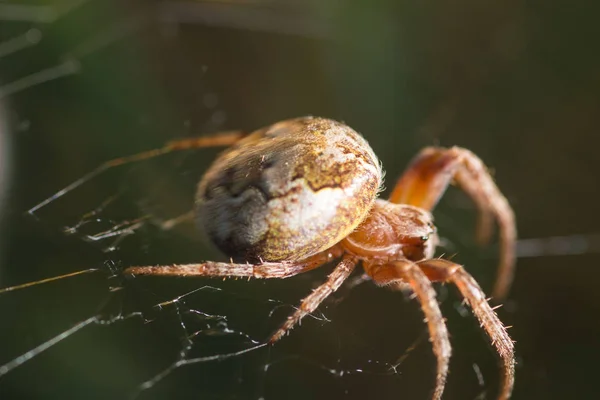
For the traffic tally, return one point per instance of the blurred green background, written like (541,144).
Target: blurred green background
(82,82)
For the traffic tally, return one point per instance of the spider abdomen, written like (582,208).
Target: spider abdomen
(288,191)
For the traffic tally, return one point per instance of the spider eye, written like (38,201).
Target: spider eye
(424,238)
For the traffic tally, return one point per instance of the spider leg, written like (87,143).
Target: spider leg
(216,140)
(264,270)
(310,303)
(172,222)
(427,178)
(447,271)
(408,272)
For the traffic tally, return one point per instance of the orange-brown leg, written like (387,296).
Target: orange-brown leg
(447,271)
(426,180)
(216,140)
(312,301)
(265,270)
(408,272)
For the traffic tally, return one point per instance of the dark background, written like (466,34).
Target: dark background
(517,83)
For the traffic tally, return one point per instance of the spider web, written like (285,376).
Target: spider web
(86,81)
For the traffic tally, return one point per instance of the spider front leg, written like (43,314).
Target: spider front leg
(408,272)
(447,271)
(426,180)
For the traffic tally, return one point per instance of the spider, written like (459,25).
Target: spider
(300,193)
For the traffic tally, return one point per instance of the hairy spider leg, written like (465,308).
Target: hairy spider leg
(264,270)
(439,270)
(409,272)
(310,303)
(426,180)
(216,140)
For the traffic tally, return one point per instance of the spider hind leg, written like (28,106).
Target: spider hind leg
(310,303)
